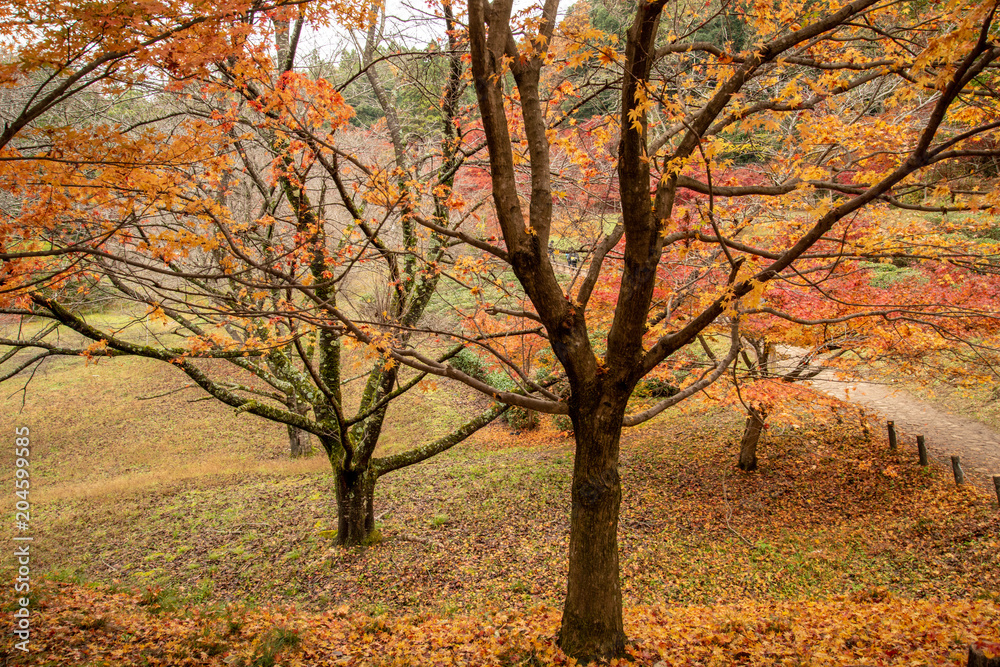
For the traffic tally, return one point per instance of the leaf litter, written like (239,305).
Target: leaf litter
(834,552)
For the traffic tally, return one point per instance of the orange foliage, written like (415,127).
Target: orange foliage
(78,624)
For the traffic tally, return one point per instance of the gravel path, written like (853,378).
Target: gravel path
(944,433)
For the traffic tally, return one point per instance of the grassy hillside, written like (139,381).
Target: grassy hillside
(152,514)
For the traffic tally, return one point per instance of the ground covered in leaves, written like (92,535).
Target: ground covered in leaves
(84,626)
(834,552)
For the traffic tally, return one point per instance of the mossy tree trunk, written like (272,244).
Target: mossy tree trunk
(355,506)
(357,470)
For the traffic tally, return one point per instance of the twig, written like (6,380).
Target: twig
(421,540)
(729,513)
(242,526)
(166,393)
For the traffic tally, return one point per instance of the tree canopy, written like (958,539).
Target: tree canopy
(719,180)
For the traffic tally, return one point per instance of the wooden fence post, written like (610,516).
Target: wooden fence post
(922,450)
(892,436)
(996,485)
(956,468)
(978,659)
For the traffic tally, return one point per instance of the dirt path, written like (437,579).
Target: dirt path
(945,434)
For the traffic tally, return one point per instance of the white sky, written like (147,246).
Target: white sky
(411,21)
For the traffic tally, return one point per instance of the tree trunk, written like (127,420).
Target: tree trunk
(355,509)
(299,442)
(751,437)
(592,616)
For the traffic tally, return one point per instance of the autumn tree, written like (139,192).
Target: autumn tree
(254,213)
(884,310)
(831,109)
(59,53)
(680,101)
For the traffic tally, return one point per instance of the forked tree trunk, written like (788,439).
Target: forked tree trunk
(355,509)
(592,616)
(751,438)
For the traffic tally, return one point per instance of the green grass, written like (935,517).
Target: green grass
(189,503)
(885,276)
